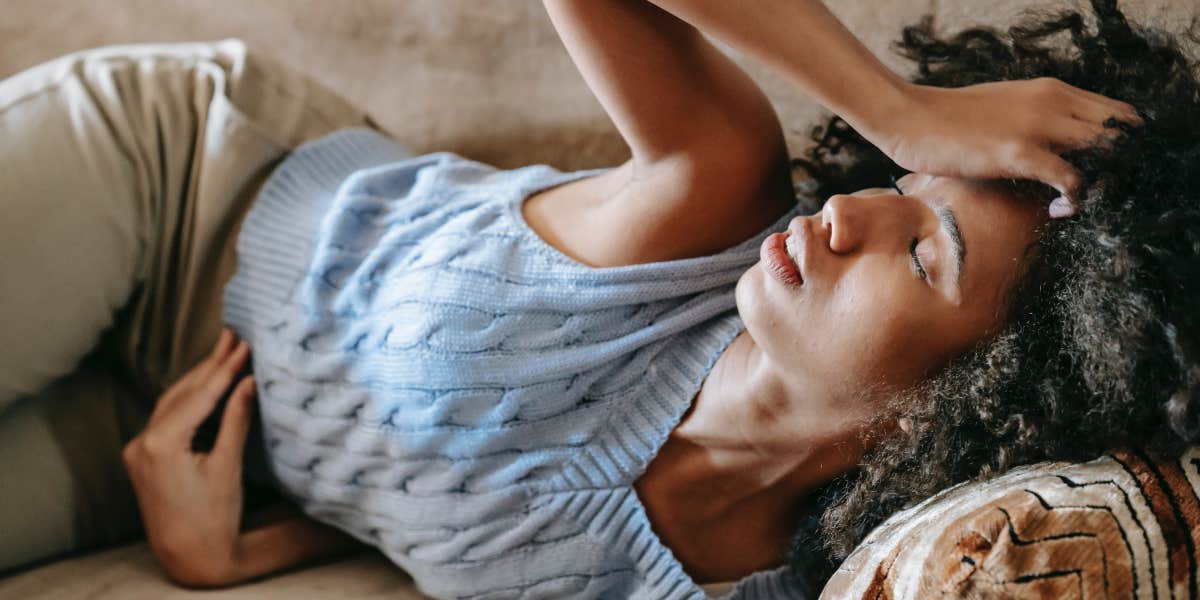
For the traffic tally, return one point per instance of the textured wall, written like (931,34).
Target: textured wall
(485,78)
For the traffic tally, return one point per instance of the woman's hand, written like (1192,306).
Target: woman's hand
(1009,129)
(191,503)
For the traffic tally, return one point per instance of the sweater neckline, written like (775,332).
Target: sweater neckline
(540,178)
(622,449)
(604,472)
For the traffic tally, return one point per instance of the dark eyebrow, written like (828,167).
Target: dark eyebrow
(946,216)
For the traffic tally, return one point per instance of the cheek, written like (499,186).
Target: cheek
(883,330)
(867,332)
(869,328)
(837,334)
(912,342)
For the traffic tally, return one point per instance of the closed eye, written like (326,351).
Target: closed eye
(912,247)
(916,260)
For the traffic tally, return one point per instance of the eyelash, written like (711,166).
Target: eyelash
(912,251)
(912,247)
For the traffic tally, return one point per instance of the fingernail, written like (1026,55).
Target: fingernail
(1061,207)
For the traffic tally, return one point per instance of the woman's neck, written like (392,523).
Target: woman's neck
(759,425)
(723,491)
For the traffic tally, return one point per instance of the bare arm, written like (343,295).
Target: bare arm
(292,542)
(709,164)
(1012,129)
(670,93)
(806,43)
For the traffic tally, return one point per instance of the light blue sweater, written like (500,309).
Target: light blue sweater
(439,382)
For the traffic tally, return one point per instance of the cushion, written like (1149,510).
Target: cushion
(1126,525)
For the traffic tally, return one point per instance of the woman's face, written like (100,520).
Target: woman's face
(890,286)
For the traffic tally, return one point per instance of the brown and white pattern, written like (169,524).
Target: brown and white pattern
(1126,525)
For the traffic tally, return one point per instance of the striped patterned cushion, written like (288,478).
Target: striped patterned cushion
(1123,526)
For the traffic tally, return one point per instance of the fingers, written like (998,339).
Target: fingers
(1095,114)
(1084,104)
(1061,207)
(1086,129)
(1069,134)
(197,374)
(1051,169)
(226,342)
(208,392)
(223,345)
(1097,108)
(235,423)
(194,401)
(226,368)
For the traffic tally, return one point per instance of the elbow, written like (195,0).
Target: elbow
(201,578)
(199,572)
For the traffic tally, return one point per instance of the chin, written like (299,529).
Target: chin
(750,298)
(767,317)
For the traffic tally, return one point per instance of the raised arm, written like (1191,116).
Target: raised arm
(1013,129)
(669,92)
(709,164)
(806,43)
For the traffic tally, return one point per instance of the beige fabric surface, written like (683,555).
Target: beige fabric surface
(130,573)
(485,78)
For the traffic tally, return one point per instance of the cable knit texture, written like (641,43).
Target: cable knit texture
(439,382)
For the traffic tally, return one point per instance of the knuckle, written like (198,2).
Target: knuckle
(224,371)
(209,360)
(1031,127)
(1049,89)
(1048,83)
(131,453)
(1015,153)
(208,366)
(152,446)
(230,368)
(218,383)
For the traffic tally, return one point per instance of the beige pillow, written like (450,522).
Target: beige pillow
(1123,526)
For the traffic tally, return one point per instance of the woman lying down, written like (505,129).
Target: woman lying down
(636,381)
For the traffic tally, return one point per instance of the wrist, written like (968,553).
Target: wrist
(888,103)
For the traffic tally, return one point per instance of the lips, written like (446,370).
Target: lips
(777,263)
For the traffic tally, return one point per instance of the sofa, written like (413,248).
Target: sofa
(489,79)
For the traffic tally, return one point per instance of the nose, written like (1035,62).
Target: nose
(842,219)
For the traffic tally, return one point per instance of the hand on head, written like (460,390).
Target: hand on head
(1000,129)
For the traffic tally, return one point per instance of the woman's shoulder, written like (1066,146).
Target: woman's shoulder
(620,218)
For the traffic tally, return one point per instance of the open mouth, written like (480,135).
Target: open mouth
(777,259)
(792,244)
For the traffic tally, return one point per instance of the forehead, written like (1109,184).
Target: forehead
(998,229)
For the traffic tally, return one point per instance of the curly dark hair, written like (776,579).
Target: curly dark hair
(1100,347)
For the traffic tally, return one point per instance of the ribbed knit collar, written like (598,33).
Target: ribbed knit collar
(606,469)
